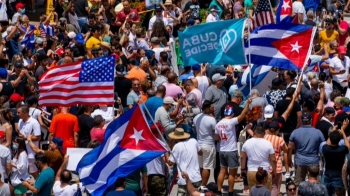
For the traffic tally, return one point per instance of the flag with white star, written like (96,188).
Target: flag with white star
(128,146)
(284,10)
(282,45)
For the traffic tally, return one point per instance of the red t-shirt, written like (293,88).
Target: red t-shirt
(122,16)
(344,25)
(97,134)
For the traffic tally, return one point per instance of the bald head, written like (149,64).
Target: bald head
(67,59)
(172,77)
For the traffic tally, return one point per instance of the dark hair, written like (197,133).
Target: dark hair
(260,175)
(92,16)
(292,74)
(66,176)
(7,114)
(163,55)
(93,144)
(259,130)
(314,170)
(335,137)
(187,82)
(340,191)
(32,100)
(26,90)
(120,182)
(41,157)
(95,28)
(206,105)
(322,76)
(118,47)
(335,93)
(98,120)
(21,146)
(289,182)
(153,62)
(290,91)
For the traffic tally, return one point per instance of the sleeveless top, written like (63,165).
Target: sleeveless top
(203,85)
(7,89)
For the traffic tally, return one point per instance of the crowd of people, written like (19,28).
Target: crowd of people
(300,124)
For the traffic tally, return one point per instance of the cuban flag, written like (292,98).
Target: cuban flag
(28,38)
(283,45)
(128,145)
(46,30)
(291,19)
(284,10)
(259,76)
(312,67)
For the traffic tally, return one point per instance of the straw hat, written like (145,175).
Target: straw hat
(179,134)
(168,2)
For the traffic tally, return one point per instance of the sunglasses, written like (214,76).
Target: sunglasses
(328,24)
(293,189)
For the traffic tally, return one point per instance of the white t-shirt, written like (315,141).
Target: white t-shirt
(131,40)
(212,18)
(298,8)
(205,127)
(107,114)
(34,112)
(21,172)
(186,155)
(340,65)
(32,126)
(258,151)
(68,190)
(157,52)
(226,129)
(157,165)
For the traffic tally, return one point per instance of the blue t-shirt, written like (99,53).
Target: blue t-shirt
(121,193)
(152,105)
(307,141)
(44,182)
(186,76)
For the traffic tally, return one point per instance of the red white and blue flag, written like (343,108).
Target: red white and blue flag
(283,45)
(90,82)
(128,145)
(284,10)
(263,15)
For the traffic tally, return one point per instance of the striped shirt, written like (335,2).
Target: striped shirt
(277,143)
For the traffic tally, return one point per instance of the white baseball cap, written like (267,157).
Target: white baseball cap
(71,35)
(268,111)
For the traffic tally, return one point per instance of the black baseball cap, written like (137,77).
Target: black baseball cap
(120,69)
(276,82)
(306,118)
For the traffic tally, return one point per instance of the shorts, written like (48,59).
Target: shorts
(182,189)
(251,175)
(20,189)
(207,160)
(156,185)
(229,159)
(32,166)
(300,174)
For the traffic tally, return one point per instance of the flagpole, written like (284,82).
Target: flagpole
(249,58)
(161,135)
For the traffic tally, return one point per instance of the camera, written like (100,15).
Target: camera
(62,23)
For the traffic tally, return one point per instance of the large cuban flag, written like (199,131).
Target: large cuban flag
(283,45)
(129,145)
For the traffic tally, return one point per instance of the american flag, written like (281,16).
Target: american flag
(263,15)
(90,82)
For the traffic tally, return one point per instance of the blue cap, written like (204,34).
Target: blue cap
(3,73)
(80,38)
(229,110)
(190,22)
(196,67)
(59,142)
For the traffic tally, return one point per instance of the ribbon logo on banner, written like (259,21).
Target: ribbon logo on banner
(228,40)
(216,43)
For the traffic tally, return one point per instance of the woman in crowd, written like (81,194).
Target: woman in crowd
(158,30)
(98,131)
(20,168)
(291,188)
(6,117)
(259,189)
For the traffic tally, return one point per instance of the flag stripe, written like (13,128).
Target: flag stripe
(88,81)
(79,89)
(271,33)
(265,52)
